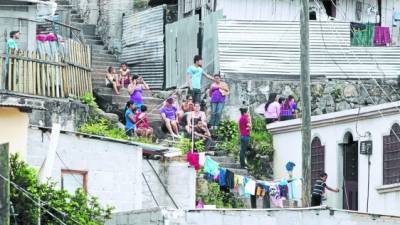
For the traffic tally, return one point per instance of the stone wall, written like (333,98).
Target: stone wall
(109,25)
(315,216)
(70,114)
(327,95)
(107,15)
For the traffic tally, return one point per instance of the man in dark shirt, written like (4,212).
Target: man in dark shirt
(319,189)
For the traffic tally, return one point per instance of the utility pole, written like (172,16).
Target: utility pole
(4,186)
(305,102)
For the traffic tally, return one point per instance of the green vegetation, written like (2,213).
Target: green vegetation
(140,4)
(336,92)
(77,207)
(89,100)
(260,152)
(185,145)
(228,137)
(103,127)
(220,198)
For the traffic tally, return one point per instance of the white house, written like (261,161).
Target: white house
(368,182)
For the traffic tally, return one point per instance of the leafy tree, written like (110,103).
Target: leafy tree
(74,209)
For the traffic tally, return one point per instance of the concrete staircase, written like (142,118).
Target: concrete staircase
(101,57)
(230,162)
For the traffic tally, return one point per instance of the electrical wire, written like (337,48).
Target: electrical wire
(30,197)
(162,184)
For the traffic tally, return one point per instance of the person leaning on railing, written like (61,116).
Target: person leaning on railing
(11,50)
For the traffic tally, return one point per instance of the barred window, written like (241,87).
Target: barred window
(391,156)
(317,159)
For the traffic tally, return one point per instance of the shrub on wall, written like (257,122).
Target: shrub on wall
(69,208)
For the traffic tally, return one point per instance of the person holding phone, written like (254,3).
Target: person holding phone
(135,89)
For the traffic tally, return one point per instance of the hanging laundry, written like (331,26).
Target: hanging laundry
(362,34)
(202,158)
(211,167)
(193,159)
(275,197)
(260,191)
(382,36)
(250,187)
(293,187)
(239,180)
(230,179)
(221,178)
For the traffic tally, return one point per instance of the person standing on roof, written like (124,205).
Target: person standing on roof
(193,78)
(319,189)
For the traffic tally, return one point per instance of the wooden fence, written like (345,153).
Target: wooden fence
(64,73)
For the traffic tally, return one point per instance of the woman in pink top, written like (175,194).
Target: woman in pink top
(272,109)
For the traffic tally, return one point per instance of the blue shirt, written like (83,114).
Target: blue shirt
(129,124)
(196,73)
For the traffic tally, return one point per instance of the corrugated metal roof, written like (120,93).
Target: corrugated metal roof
(181,46)
(143,45)
(271,49)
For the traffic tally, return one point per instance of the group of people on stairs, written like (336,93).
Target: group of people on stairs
(187,117)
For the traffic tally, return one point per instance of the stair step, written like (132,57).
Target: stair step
(242,172)
(223,159)
(230,165)
(95,42)
(92,37)
(76,20)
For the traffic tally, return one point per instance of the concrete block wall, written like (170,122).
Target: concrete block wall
(113,168)
(179,179)
(316,216)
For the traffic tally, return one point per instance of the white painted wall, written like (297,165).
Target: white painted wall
(249,217)
(288,148)
(114,169)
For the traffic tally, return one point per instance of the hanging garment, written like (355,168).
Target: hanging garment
(221,178)
(382,36)
(362,35)
(211,167)
(193,159)
(202,158)
(229,179)
(293,188)
(239,180)
(260,191)
(275,197)
(250,187)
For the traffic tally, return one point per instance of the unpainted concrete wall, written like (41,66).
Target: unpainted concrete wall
(179,179)
(250,217)
(114,169)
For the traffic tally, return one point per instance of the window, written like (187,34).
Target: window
(73,179)
(391,156)
(330,7)
(317,159)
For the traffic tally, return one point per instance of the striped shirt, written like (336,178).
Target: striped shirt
(319,187)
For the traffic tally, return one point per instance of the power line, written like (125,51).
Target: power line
(30,197)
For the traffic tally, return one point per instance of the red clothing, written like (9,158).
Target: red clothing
(243,128)
(142,123)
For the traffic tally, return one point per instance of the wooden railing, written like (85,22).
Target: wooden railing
(65,73)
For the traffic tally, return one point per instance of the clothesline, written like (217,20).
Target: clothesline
(275,190)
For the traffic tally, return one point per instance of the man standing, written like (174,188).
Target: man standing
(319,189)
(244,128)
(11,50)
(11,42)
(193,78)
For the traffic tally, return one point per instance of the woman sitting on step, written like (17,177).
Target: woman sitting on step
(112,80)
(135,90)
(169,117)
(143,128)
(196,114)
